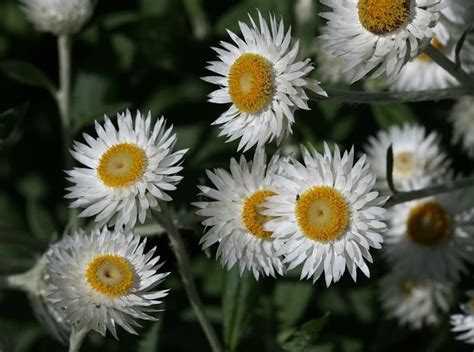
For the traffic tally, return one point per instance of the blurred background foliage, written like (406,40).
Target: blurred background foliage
(149,55)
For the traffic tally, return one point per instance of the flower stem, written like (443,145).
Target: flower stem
(457,72)
(358,97)
(179,249)
(63,98)
(401,197)
(75,339)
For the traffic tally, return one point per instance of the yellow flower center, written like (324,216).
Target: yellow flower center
(383,16)
(122,165)
(404,164)
(250,82)
(252,218)
(437,44)
(428,224)
(322,213)
(110,275)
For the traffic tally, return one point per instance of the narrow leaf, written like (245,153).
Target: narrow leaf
(305,336)
(390,170)
(98,115)
(26,73)
(10,120)
(459,46)
(149,342)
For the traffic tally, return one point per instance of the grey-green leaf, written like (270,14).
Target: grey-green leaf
(10,120)
(305,336)
(26,73)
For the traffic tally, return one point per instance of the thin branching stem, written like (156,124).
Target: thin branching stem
(177,245)
(401,197)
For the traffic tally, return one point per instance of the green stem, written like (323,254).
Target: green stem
(401,197)
(457,72)
(165,219)
(63,99)
(358,97)
(75,339)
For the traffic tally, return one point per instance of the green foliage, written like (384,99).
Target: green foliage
(26,73)
(10,121)
(387,115)
(305,336)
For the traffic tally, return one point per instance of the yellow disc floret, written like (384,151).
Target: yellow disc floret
(250,82)
(252,217)
(122,165)
(383,16)
(322,213)
(437,44)
(110,275)
(404,164)
(428,224)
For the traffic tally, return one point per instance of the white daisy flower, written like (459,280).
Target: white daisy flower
(462,118)
(104,279)
(59,17)
(329,67)
(415,154)
(432,237)
(378,36)
(464,322)
(127,170)
(234,217)
(262,79)
(326,216)
(415,302)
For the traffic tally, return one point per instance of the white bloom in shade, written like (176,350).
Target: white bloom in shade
(329,66)
(262,79)
(128,170)
(235,218)
(378,36)
(59,17)
(415,154)
(464,323)
(413,301)
(432,237)
(325,215)
(462,118)
(104,279)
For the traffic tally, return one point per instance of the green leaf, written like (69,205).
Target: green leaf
(238,304)
(10,120)
(387,115)
(26,73)
(149,342)
(32,187)
(459,46)
(124,49)
(390,169)
(108,109)
(289,309)
(88,94)
(40,221)
(304,337)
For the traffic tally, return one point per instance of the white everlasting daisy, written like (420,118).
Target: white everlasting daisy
(234,216)
(415,302)
(325,215)
(127,170)
(415,154)
(462,118)
(104,279)
(263,80)
(432,237)
(378,36)
(464,323)
(58,16)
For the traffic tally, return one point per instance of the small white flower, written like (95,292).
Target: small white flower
(234,217)
(326,216)
(462,118)
(59,17)
(262,79)
(415,154)
(413,301)
(464,322)
(378,36)
(104,279)
(127,170)
(432,237)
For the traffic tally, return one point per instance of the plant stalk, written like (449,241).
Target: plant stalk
(75,339)
(165,219)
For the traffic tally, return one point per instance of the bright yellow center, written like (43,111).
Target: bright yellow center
(121,165)
(322,213)
(437,44)
(250,82)
(383,16)
(428,224)
(404,164)
(110,275)
(252,217)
